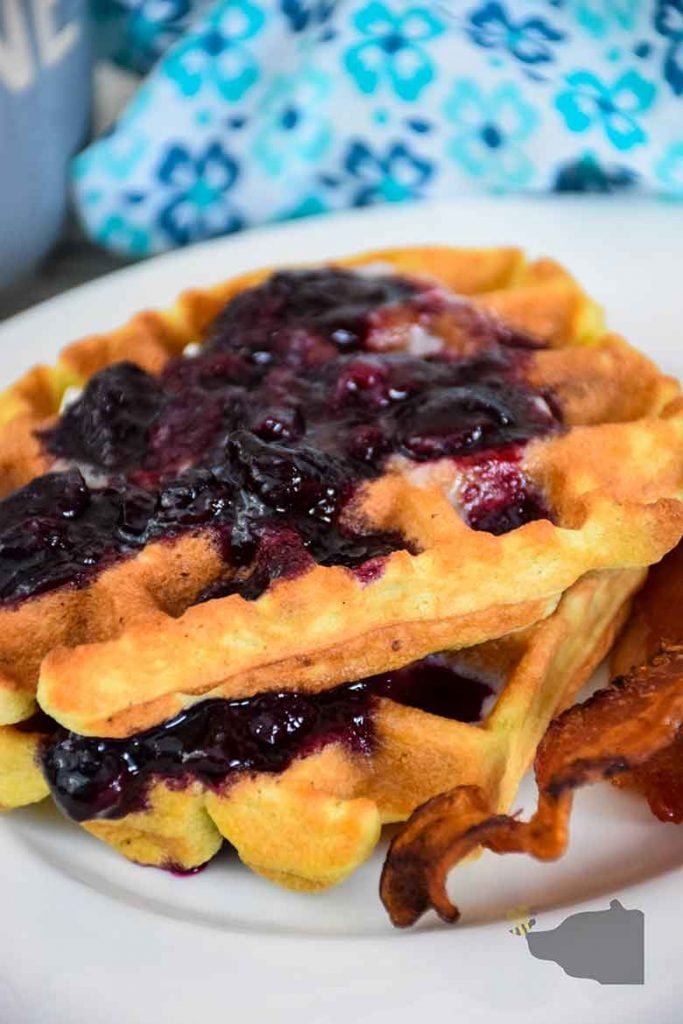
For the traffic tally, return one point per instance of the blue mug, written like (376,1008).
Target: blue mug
(45,96)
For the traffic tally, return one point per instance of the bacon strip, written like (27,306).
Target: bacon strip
(657,618)
(618,729)
(660,780)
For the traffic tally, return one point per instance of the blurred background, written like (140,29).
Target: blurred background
(129,127)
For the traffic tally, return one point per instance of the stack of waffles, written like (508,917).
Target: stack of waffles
(289,559)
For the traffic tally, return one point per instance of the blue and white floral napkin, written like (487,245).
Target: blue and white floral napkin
(261,110)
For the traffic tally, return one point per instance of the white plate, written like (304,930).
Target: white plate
(87,937)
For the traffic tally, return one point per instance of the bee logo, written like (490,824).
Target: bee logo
(523,922)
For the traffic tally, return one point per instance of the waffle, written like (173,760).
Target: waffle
(516,551)
(311,825)
(130,647)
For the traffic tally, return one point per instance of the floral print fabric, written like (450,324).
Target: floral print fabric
(259,110)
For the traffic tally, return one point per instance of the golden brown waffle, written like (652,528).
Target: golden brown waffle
(129,650)
(311,825)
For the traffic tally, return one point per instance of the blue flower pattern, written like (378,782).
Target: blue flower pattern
(289,108)
(528,40)
(491,131)
(588,102)
(293,129)
(393,49)
(198,203)
(669,22)
(218,55)
(390,176)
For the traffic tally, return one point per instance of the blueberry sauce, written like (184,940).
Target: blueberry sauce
(264,437)
(490,475)
(213,741)
(111,430)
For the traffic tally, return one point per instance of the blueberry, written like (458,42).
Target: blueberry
(108,425)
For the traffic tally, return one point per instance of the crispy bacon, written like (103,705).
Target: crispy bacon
(657,618)
(619,729)
(660,780)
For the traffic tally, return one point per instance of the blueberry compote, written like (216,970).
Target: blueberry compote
(212,741)
(266,434)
